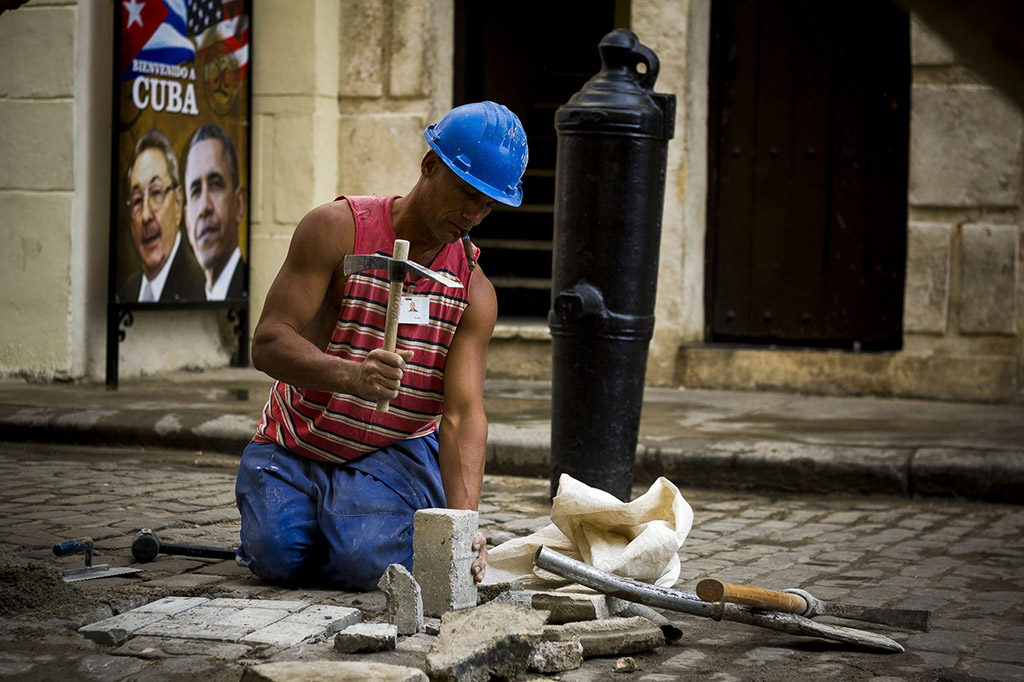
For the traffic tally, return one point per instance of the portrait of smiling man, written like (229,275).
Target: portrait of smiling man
(169,272)
(214,206)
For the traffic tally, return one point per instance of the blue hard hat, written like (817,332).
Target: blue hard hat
(484,144)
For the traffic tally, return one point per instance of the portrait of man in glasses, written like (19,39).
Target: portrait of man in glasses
(155,205)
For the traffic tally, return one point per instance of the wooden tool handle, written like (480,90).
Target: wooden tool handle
(716,591)
(394,308)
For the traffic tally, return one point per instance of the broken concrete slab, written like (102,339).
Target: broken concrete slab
(331,671)
(314,621)
(610,636)
(493,640)
(405,600)
(167,647)
(366,638)
(565,607)
(485,592)
(442,546)
(556,657)
(117,630)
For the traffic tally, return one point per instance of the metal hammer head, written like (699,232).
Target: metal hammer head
(397,268)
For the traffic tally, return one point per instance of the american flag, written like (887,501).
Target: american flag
(227,21)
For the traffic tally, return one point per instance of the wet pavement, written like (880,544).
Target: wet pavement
(962,559)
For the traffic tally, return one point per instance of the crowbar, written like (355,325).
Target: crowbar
(807,605)
(691,604)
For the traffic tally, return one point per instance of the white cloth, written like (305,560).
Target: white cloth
(638,539)
(220,287)
(156,285)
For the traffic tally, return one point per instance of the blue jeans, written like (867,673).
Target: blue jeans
(307,523)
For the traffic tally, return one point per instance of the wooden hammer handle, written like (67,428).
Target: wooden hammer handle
(716,591)
(394,308)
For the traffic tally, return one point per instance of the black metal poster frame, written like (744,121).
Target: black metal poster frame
(180,164)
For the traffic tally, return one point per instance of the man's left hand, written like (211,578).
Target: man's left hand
(480,565)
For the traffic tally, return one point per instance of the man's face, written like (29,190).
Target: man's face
(457,205)
(155,210)
(214,206)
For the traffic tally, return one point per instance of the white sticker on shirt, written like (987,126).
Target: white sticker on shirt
(414,310)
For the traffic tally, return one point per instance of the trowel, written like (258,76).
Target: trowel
(87,572)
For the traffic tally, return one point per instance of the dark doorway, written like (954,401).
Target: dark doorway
(807,205)
(531,57)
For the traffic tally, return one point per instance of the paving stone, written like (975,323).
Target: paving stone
(331,671)
(167,647)
(118,629)
(609,637)
(366,638)
(405,601)
(556,657)
(493,640)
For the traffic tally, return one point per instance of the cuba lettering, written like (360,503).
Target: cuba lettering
(164,95)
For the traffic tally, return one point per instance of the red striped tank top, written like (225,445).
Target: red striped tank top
(337,427)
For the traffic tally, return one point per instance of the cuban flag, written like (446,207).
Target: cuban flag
(221,21)
(154,31)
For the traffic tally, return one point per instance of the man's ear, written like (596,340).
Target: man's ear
(240,202)
(430,163)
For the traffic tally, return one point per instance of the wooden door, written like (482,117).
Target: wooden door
(808,139)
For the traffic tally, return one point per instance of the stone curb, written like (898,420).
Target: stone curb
(518,450)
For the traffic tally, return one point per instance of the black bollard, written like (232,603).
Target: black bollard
(609,189)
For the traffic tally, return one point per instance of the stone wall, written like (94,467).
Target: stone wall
(37,187)
(964,294)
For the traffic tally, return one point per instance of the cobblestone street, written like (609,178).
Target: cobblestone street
(963,560)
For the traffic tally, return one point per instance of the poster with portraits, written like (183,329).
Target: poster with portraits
(179,234)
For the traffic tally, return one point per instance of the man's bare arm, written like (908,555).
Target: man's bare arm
(463,431)
(300,310)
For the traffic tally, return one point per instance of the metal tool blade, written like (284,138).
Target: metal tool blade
(910,619)
(685,602)
(98,571)
(397,269)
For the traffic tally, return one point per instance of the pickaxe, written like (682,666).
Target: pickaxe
(689,603)
(398,267)
(807,605)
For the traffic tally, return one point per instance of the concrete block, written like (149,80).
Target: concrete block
(556,657)
(289,605)
(168,647)
(567,607)
(987,279)
(965,144)
(330,619)
(281,68)
(117,630)
(294,156)
(366,638)
(443,557)
(485,592)
(409,76)
(331,671)
(362,42)
(200,622)
(378,154)
(283,634)
(405,601)
(35,243)
(37,49)
(493,640)
(926,293)
(609,637)
(34,130)
(926,47)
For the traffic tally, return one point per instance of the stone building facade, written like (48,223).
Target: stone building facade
(341,93)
